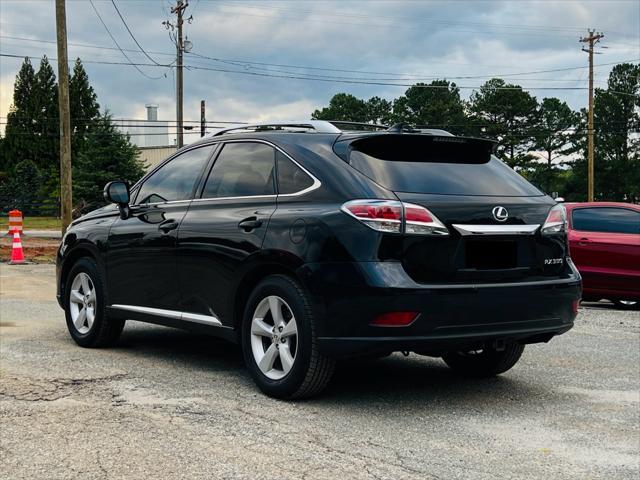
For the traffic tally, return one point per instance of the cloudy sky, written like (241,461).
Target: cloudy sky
(358,47)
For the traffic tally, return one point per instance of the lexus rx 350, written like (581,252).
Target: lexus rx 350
(305,243)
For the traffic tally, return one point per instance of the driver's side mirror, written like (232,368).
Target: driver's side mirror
(118,192)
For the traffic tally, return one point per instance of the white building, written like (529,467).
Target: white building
(147,133)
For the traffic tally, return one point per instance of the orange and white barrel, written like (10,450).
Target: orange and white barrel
(15,221)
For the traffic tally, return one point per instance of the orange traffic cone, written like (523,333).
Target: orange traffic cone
(17,255)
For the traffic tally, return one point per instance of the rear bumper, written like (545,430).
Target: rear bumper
(348,296)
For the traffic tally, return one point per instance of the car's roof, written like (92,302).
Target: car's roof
(571,205)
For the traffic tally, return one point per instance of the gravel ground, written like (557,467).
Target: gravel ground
(169,404)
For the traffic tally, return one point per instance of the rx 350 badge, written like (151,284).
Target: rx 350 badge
(553,261)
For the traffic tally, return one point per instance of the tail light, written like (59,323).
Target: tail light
(421,221)
(396,217)
(556,221)
(381,215)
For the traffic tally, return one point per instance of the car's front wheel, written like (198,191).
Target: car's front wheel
(84,300)
(485,362)
(279,341)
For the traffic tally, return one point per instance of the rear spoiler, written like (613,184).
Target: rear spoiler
(387,145)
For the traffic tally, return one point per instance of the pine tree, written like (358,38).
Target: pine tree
(437,107)
(83,105)
(45,120)
(107,155)
(17,144)
(508,114)
(345,107)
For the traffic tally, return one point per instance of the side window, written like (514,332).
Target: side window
(175,180)
(291,178)
(606,219)
(242,170)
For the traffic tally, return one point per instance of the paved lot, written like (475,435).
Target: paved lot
(168,404)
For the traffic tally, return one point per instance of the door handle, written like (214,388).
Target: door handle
(168,225)
(583,241)
(250,223)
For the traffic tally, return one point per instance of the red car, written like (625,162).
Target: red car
(604,241)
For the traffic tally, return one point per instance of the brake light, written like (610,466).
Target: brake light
(556,221)
(381,215)
(396,217)
(421,221)
(395,319)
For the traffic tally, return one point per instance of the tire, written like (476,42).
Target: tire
(102,331)
(283,364)
(627,304)
(485,363)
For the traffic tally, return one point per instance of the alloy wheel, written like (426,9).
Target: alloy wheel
(274,337)
(82,303)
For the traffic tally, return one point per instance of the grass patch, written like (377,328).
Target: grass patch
(33,223)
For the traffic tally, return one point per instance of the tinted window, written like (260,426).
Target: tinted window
(606,219)
(175,180)
(241,170)
(437,165)
(291,178)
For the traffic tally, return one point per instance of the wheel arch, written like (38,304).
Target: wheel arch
(83,250)
(250,280)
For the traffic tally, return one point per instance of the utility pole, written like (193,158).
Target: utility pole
(181,6)
(591,39)
(203,119)
(65,116)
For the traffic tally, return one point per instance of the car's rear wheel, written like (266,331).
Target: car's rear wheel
(279,341)
(84,300)
(485,362)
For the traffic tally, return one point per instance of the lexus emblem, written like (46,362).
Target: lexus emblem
(500,213)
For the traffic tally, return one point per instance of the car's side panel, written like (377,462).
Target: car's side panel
(86,237)
(141,263)
(212,249)
(608,262)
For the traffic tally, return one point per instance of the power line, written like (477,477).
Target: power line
(136,66)
(326,80)
(244,63)
(131,33)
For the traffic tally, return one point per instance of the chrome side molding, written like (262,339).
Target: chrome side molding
(176,315)
(465,230)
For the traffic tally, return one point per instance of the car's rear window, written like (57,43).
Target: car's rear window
(437,165)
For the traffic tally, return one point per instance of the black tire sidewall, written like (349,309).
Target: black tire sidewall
(88,266)
(284,288)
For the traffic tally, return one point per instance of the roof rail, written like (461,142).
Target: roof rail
(322,126)
(318,126)
(368,126)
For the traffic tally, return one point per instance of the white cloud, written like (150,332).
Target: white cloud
(439,38)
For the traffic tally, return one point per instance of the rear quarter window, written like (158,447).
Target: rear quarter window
(606,219)
(424,164)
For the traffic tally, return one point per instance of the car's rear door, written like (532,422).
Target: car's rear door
(141,256)
(224,228)
(605,245)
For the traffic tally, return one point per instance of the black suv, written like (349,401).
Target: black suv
(305,243)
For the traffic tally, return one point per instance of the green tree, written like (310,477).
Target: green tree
(83,103)
(379,111)
(18,142)
(555,136)
(107,155)
(45,120)
(435,105)
(345,107)
(509,114)
(22,187)
(616,140)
